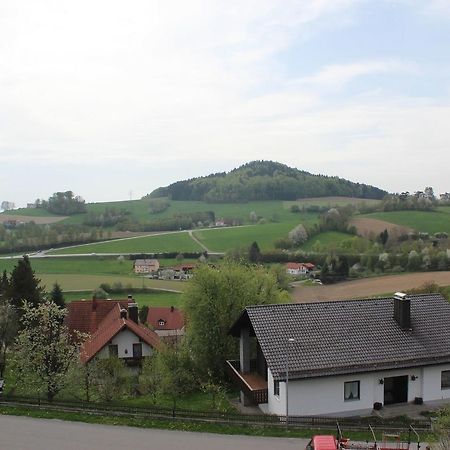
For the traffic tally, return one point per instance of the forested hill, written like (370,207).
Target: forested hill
(264,180)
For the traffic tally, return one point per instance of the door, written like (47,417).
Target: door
(396,390)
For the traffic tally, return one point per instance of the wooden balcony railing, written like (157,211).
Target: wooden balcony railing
(252,384)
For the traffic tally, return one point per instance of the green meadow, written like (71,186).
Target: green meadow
(425,221)
(223,239)
(334,240)
(155,298)
(170,242)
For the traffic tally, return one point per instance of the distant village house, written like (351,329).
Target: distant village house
(146,266)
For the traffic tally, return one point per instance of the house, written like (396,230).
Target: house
(114,330)
(293,268)
(146,265)
(343,357)
(183,271)
(167,323)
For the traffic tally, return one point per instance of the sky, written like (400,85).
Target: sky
(111,99)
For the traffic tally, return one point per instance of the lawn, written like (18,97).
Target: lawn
(223,239)
(170,242)
(425,221)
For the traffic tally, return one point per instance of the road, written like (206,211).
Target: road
(25,433)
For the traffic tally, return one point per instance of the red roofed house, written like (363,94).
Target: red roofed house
(114,330)
(168,323)
(299,268)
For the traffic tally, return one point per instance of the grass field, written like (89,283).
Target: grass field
(275,210)
(333,240)
(155,298)
(171,242)
(332,201)
(78,282)
(425,221)
(223,239)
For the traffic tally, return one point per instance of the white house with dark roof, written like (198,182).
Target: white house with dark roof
(344,357)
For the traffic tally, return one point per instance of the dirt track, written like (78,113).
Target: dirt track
(36,219)
(368,287)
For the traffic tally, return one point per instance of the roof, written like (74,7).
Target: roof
(86,315)
(348,336)
(173,318)
(110,327)
(294,265)
(146,262)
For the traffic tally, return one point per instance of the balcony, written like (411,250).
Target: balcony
(252,384)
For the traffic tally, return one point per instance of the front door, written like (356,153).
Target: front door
(396,390)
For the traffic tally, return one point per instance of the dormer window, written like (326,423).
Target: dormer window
(161,322)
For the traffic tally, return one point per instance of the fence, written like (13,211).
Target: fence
(164,413)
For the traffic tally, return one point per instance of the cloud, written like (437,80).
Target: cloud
(338,75)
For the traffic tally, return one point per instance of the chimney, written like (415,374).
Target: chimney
(94,303)
(123,313)
(133,312)
(172,309)
(402,310)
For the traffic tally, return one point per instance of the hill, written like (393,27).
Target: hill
(264,180)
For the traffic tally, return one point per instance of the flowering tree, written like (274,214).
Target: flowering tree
(44,351)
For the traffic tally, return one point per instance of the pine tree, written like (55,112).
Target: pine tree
(4,285)
(24,285)
(254,253)
(57,297)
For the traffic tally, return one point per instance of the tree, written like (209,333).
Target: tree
(8,331)
(44,351)
(110,378)
(57,296)
(214,299)
(24,286)
(254,253)
(173,366)
(143,313)
(298,235)
(4,285)
(383,237)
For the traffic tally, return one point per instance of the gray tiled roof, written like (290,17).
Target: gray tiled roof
(349,336)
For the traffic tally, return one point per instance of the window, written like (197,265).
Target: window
(276,388)
(113,350)
(351,390)
(445,379)
(161,322)
(137,350)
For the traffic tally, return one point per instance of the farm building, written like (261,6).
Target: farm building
(343,357)
(146,265)
(293,268)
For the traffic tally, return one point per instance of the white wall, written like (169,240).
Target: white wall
(325,396)
(124,341)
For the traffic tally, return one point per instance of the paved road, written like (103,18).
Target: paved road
(24,433)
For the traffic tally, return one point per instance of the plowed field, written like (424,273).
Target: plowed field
(368,287)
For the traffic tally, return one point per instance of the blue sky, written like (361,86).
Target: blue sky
(107,98)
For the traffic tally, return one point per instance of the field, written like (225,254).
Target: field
(333,201)
(223,239)
(155,298)
(165,242)
(139,209)
(368,287)
(87,273)
(76,282)
(425,221)
(39,220)
(369,227)
(333,240)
